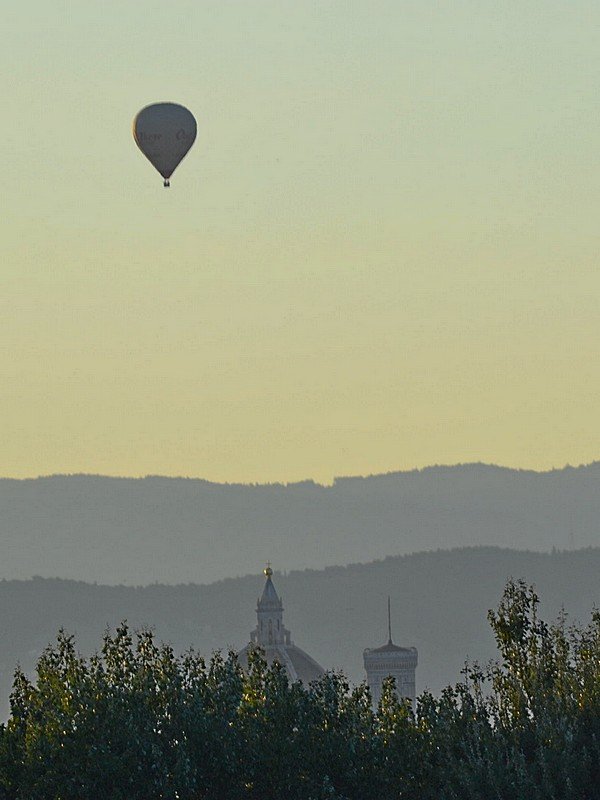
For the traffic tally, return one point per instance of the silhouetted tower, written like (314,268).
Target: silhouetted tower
(399,662)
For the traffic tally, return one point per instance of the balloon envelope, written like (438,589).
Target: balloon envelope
(164,132)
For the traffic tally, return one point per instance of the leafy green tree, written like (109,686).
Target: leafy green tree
(528,725)
(400,746)
(137,722)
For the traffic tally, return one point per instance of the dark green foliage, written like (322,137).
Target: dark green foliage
(528,726)
(138,722)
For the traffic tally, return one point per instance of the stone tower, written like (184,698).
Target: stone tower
(275,640)
(399,662)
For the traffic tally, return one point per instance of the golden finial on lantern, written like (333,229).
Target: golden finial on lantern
(267,570)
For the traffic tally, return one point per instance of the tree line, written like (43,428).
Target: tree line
(138,722)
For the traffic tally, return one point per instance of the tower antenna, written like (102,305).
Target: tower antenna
(389,622)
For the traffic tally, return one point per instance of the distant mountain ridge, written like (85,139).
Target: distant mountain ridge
(173,530)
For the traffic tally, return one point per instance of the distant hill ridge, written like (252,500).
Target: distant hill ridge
(466,467)
(172,530)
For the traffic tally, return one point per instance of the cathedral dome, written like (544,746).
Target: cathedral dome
(298,664)
(274,639)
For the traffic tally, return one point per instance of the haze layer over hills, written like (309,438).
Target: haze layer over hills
(173,530)
(439,604)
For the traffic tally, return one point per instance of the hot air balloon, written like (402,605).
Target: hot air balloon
(164,132)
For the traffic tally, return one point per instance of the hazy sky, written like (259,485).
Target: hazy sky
(382,252)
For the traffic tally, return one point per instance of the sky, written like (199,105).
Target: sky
(381,253)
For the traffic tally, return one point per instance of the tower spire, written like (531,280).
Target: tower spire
(389,622)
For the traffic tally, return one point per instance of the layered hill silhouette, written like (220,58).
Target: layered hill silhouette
(439,603)
(174,530)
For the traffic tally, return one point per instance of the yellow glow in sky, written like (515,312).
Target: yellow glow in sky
(382,251)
